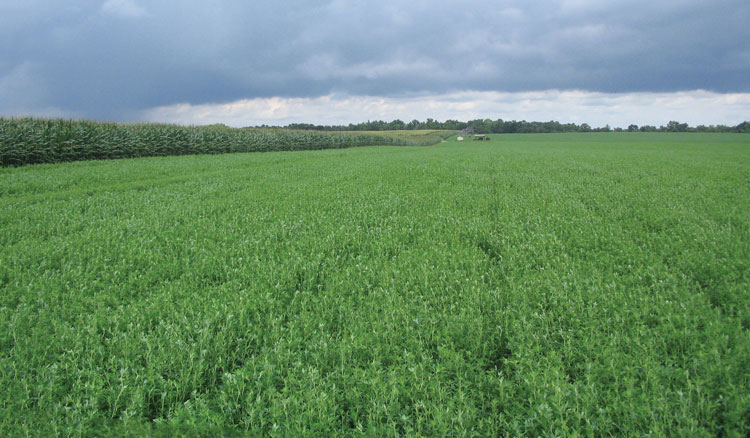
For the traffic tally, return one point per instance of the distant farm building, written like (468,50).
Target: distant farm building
(481,137)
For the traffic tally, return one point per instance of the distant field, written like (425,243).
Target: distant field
(533,285)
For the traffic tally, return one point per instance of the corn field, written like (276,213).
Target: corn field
(32,140)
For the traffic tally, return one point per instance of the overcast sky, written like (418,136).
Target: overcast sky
(246,63)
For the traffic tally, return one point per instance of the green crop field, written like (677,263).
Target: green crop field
(533,285)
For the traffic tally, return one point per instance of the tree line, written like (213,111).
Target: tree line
(499,126)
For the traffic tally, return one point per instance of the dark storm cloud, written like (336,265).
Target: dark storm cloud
(108,59)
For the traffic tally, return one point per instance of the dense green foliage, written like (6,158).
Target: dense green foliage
(32,141)
(552,285)
(500,126)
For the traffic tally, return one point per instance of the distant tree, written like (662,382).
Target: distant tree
(500,126)
(397,125)
(454,125)
(431,124)
(674,126)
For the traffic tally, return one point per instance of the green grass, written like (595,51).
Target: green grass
(534,285)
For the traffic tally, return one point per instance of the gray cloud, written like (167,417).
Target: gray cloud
(114,58)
